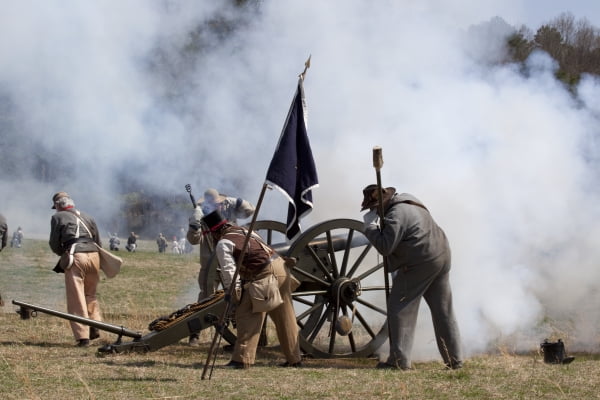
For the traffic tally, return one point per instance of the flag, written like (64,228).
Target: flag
(292,169)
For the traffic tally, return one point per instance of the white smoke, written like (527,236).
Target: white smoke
(506,162)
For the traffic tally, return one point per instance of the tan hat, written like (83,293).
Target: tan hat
(371,196)
(214,195)
(58,196)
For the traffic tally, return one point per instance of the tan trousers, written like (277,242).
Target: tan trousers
(249,323)
(81,281)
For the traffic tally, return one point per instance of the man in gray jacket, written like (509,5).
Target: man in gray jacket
(72,237)
(418,257)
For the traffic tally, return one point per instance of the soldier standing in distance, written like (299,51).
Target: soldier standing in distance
(3,234)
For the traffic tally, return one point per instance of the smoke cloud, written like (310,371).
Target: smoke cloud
(505,161)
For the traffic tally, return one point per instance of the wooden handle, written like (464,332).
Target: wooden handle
(377,158)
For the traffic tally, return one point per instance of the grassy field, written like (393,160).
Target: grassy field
(38,359)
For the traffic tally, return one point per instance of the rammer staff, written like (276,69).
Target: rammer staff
(378,164)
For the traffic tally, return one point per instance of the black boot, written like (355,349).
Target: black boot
(94,333)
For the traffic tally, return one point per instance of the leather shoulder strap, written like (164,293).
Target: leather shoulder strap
(414,203)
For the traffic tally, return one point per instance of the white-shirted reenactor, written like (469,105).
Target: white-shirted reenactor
(232,209)
(258,262)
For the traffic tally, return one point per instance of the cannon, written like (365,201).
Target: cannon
(340,276)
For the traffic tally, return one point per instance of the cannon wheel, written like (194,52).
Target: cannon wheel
(269,231)
(339,280)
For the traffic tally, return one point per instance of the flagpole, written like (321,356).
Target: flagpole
(211,358)
(220,325)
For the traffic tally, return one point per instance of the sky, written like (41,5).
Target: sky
(537,12)
(503,161)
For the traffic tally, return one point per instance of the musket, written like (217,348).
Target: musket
(119,330)
(188,188)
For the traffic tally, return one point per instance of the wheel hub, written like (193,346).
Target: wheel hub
(344,290)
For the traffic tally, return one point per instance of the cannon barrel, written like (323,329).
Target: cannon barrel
(339,243)
(119,330)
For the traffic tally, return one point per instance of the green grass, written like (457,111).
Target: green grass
(38,359)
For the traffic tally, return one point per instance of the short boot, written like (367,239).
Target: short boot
(94,333)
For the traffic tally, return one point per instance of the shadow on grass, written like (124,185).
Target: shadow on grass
(151,364)
(138,379)
(37,344)
(266,357)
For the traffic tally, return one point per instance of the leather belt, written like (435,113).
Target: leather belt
(76,240)
(249,276)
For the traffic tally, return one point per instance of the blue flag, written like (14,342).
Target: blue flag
(292,169)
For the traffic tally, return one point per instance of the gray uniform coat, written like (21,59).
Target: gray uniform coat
(81,279)
(418,253)
(63,230)
(3,232)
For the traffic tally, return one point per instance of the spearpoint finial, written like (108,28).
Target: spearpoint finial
(306,66)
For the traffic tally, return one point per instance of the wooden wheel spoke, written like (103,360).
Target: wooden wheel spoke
(351,334)
(333,333)
(347,252)
(317,329)
(269,237)
(332,259)
(311,276)
(359,260)
(298,296)
(364,323)
(352,342)
(371,288)
(371,306)
(370,271)
(319,263)
(309,311)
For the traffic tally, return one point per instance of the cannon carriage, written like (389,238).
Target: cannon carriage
(340,276)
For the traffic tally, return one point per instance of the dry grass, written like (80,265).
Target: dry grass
(38,359)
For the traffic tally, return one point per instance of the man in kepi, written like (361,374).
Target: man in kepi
(259,261)
(72,237)
(418,256)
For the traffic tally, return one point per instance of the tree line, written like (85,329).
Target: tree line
(574,44)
